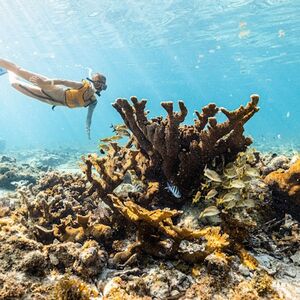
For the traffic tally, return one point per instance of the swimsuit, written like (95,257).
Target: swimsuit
(75,97)
(46,97)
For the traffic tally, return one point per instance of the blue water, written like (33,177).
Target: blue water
(198,51)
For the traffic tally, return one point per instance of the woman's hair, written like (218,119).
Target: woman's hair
(98,76)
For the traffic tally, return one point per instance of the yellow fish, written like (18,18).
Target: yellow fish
(110,139)
(122,132)
(252,172)
(237,183)
(118,127)
(209,212)
(231,196)
(197,197)
(212,193)
(212,175)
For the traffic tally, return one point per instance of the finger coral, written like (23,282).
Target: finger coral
(178,153)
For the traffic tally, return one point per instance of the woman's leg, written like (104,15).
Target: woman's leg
(25,74)
(31,91)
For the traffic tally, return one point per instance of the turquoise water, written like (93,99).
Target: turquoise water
(198,51)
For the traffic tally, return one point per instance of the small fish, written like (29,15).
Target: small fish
(116,137)
(288,114)
(230,172)
(103,147)
(122,132)
(252,172)
(243,24)
(173,189)
(212,193)
(281,33)
(248,203)
(118,127)
(212,175)
(229,205)
(110,139)
(105,140)
(237,183)
(197,197)
(231,196)
(246,178)
(209,212)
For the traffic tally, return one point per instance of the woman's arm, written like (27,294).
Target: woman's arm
(68,83)
(43,83)
(89,116)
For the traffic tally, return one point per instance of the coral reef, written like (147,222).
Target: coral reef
(168,152)
(13,174)
(286,189)
(177,212)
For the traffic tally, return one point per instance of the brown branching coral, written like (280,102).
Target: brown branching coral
(59,207)
(111,169)
(179,153)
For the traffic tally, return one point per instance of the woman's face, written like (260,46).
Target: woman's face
(99,82)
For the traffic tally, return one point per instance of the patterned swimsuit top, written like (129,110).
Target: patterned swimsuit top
(75,97)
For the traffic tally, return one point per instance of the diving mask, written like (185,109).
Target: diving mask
(103,85)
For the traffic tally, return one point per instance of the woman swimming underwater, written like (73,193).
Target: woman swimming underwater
(57,92)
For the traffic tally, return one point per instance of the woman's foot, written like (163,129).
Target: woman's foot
(2,71)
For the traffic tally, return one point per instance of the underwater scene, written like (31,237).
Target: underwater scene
(149,149)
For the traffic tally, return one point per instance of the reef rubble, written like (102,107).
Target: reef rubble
(175,212)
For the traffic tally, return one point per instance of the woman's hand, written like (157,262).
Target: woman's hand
(40,82)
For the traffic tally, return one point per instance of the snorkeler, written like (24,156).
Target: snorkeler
(57,92)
